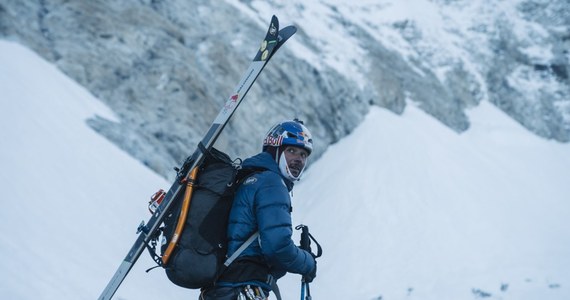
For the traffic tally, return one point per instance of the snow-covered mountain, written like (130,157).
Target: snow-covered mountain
(404,207)
(165,66)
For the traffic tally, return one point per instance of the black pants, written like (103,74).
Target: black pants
(234,293)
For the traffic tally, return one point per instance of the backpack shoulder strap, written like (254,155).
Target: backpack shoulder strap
(242,248)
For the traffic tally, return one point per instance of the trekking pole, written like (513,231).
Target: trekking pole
(305,287)
(305,244)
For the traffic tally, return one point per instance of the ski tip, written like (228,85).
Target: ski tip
(283,36)
(287,32)
(274,39)
(274,23)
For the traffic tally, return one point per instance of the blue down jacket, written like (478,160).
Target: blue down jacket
(263,203)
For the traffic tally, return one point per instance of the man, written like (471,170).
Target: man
(262,204)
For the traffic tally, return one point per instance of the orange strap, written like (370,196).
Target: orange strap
(182,217)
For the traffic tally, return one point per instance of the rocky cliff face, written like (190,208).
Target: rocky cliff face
(165,67)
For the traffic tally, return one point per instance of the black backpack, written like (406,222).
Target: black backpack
(199,255)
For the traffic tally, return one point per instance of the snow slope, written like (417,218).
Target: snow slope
(404,207)
(407,208)
(71,200)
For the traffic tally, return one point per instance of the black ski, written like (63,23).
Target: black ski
(274,39)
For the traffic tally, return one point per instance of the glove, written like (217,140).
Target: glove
(311,275)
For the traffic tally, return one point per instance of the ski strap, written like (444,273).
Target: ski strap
(242,248)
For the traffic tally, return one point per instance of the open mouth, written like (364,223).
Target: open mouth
(295,169)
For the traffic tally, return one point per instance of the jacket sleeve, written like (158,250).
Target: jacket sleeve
(273,212)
